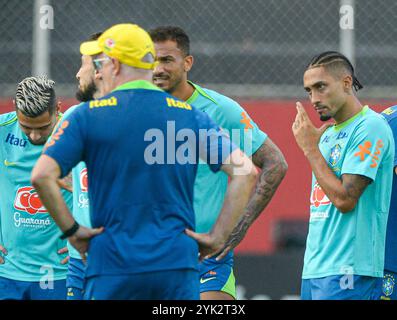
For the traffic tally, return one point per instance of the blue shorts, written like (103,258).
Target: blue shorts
(161,285)
(341,287)
(26,290)
(75,279)
(218,275)
(385,287)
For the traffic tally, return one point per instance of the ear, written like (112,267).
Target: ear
(58,108)
(188,63)
(97,75)
(13,102)
(116,67)
(347,83)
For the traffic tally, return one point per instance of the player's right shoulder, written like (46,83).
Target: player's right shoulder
(7,119)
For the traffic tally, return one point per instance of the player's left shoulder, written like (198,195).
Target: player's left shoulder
(373,119)
(224,102)
(374,127)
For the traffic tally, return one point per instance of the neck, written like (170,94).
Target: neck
(183,91)
(98,93)
(118,81)
(348,110)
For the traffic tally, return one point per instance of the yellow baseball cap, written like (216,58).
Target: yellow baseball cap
(125,42)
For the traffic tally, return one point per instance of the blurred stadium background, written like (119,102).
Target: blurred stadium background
(255,51)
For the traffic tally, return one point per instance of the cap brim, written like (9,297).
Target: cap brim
(90,48)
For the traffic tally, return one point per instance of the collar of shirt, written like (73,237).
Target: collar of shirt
(137,84)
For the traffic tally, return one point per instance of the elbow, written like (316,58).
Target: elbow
(283,168)
(345,205)
(38,178)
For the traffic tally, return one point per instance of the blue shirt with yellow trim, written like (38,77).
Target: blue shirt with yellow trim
(141,148)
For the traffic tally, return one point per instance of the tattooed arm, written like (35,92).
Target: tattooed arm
(343,192)
(274,167)
(355,184)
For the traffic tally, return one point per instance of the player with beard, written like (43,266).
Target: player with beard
(142,246)
(89,88)
(172,45)
(352,163)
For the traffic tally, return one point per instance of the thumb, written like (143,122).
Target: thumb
(192,234)
(96,231)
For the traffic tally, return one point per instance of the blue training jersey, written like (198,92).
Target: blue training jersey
(391,235)
(27,231)
(141,148)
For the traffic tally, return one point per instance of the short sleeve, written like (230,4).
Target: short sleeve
(367,149)
(67,143)
(242,130)
(214,144)
(64,116)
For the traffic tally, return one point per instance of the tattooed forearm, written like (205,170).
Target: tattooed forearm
(274,167)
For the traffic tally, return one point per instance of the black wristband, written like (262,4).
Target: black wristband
(71,231)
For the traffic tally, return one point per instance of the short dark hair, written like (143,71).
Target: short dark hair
(329,59)
(172,33)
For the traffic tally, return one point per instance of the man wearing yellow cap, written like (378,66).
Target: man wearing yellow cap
(141,196)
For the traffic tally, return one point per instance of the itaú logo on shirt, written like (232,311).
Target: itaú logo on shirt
(318,197)
(28,200)
(84,180)
(14,141)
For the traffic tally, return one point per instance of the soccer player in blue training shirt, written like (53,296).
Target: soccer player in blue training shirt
(141,148)
(32,257)
(386,285)
(352,161)
(89,88)
(172,45)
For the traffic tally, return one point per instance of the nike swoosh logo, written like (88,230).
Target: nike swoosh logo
(9,164)
(205,280)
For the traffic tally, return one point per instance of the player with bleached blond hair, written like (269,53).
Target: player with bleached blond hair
(32,257)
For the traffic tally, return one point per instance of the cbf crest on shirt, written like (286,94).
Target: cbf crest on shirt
(363,145)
